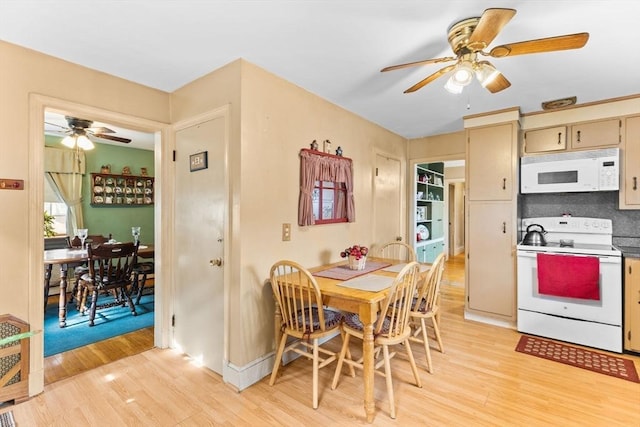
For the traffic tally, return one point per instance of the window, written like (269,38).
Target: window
(326,189)
(56,208)
(329,202)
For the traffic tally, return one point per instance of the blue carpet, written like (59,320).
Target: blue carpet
(109,322)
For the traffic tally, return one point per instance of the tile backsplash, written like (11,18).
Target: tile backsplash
(604,204)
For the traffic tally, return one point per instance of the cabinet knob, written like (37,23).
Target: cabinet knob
(559,138)
(578,135)
(216,262)
(504,183)
(504,227)
(635,182)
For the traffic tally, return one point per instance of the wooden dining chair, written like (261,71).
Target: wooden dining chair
(110,269)
(304,317)
(391,328)
(397,250)
(426,305)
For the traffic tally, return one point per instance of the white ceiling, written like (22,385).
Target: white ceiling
(336,48)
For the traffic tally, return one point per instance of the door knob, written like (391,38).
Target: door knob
(216,262)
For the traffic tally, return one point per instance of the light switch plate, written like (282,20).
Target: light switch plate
(286,232)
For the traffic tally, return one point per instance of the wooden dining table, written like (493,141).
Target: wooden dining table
(69,256)
(366,304)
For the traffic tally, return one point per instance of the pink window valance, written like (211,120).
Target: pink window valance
(318,166)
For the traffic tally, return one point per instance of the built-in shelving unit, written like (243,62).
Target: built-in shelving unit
(429,211)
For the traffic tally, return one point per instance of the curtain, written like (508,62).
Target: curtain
(320,167)
(64,169)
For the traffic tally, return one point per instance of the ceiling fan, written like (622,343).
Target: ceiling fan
(80,132)
(468,39)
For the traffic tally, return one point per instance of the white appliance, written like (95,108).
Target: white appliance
(592,170)
(589,310)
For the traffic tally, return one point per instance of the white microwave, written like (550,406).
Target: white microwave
(593,170)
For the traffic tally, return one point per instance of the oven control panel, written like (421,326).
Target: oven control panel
(568,224)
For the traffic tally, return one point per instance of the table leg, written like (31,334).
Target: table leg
(277,324)
(62,306)
(368,314)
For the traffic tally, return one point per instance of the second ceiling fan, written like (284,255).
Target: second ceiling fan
(470,37)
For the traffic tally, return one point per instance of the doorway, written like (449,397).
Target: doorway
(93,353)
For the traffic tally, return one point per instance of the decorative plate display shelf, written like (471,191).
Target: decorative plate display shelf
(121,190)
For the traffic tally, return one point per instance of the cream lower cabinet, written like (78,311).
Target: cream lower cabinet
(491,259)
(632,304)
(630,188)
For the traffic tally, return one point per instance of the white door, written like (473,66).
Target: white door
(199,229)
(387,224)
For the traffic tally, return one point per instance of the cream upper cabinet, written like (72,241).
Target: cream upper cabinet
(545,140)
(630,189)
(602,133)
(491,264)
(632,304)
(491,162)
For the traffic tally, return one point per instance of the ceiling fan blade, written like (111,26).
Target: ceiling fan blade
(413,64)
(549,44)
(57,125)
(497,84)
(429,79)
(100,129)
(112,138)
(491,23)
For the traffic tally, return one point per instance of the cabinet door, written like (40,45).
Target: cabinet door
(491,264)
(437,221)
(603,133)
(490,166)
(632,164)
(545,140)
(632,304)
(421,253)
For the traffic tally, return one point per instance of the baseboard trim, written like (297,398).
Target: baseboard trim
(489,320)
(242,377)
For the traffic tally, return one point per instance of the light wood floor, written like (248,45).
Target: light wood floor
(479,381)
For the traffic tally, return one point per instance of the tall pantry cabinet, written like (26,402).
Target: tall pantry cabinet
(491,216)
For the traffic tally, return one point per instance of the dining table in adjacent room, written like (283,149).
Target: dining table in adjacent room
(66,256)
(361,292)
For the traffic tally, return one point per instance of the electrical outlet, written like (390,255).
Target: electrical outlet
(286,232)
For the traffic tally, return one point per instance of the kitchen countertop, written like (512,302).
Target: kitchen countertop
(630,251)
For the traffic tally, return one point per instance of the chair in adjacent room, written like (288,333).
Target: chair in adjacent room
(426,305)
(391,328)
(80,269)
(56,242)
(397,250)
(304,318)
(141,272)
(110,269)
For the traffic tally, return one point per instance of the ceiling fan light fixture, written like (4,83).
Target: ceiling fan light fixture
(463,73)
(69,141)
(453,87)
(84,143)
(486,73)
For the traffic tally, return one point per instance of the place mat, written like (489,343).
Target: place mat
(343,272)
(396,268)
(370,282)
(6,419)
(579,357)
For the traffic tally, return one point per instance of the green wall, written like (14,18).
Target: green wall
(116,220)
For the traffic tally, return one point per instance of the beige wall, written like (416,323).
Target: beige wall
(24,75)
(271,121)
(448,146)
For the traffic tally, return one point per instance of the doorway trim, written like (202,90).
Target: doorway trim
(162,215)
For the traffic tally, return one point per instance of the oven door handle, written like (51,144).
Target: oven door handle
(603,258)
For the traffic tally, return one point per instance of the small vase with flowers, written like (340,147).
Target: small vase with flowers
(357,256)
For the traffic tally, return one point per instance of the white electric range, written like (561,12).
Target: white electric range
(590,317)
